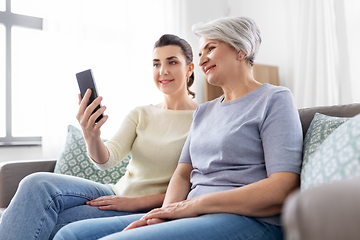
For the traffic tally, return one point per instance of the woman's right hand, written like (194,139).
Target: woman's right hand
(86,119)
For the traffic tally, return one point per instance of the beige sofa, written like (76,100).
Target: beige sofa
(307,215)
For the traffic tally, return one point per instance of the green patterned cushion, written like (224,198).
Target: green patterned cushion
(320,128)
(338,157)
(74,161)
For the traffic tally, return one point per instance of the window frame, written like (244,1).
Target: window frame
(9,19)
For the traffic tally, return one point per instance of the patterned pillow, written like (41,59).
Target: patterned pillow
(320,128)
(338,157)
(74,161)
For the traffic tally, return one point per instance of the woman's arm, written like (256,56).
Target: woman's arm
(128,204)
(260,199)
(177,191)
(179,186)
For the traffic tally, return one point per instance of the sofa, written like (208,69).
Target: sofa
(327,211)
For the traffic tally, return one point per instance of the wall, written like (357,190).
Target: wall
(275,22)
(20,153)
(273,18)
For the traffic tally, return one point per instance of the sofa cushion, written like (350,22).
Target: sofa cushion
(320,128)
(75,161)
(307,114)
(338,157)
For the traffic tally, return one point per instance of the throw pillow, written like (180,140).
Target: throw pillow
(338,157)
(74,161)
(320,128)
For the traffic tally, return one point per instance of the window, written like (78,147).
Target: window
(48,41)
(2,5)
(7,134)
(27,96)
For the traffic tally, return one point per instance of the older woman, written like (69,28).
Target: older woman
(240,161)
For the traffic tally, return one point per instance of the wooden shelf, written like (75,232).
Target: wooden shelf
(262,73)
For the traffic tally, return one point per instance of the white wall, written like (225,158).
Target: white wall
(20,153)
(192,12)
(273,18)
(275,22)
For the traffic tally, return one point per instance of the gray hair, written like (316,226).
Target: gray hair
(241,33)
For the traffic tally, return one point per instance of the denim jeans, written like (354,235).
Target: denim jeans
(45,202)
(206,227)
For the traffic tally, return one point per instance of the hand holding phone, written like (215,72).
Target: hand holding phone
(86,81)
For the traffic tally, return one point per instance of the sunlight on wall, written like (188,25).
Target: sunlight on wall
(113,38)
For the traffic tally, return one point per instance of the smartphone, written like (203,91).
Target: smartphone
(85,81)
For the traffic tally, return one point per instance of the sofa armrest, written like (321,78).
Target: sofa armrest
(330,211)
(11,174)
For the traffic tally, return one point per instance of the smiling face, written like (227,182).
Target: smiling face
(170,70)
(217,60)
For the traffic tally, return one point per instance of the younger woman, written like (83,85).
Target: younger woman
(154,134)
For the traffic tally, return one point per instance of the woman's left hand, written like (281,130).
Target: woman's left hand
(116,203)
(183,209)
(143,222)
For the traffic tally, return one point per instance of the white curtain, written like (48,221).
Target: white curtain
(316,71)
(348,22)
(115,39)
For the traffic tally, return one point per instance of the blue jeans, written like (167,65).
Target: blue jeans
(206,227)
(45,202)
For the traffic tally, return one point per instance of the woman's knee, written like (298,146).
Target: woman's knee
(36,183)
(35,179)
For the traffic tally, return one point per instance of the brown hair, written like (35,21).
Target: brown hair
(169,39)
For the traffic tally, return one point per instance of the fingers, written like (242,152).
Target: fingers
(83,105)
(136,224)
(85,115)
(108,207)
(111,203)
(88,113)
(101,201)
(80,98)
(144,222)
(172,211)
(157,213)
(154,221)
(95,115)
(96,203)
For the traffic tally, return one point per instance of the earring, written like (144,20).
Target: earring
(188,80)
(239,55)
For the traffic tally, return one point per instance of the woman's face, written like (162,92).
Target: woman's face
(170,70)
(217,60)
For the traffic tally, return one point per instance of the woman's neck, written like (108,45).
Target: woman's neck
(182,102)
(239,87)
